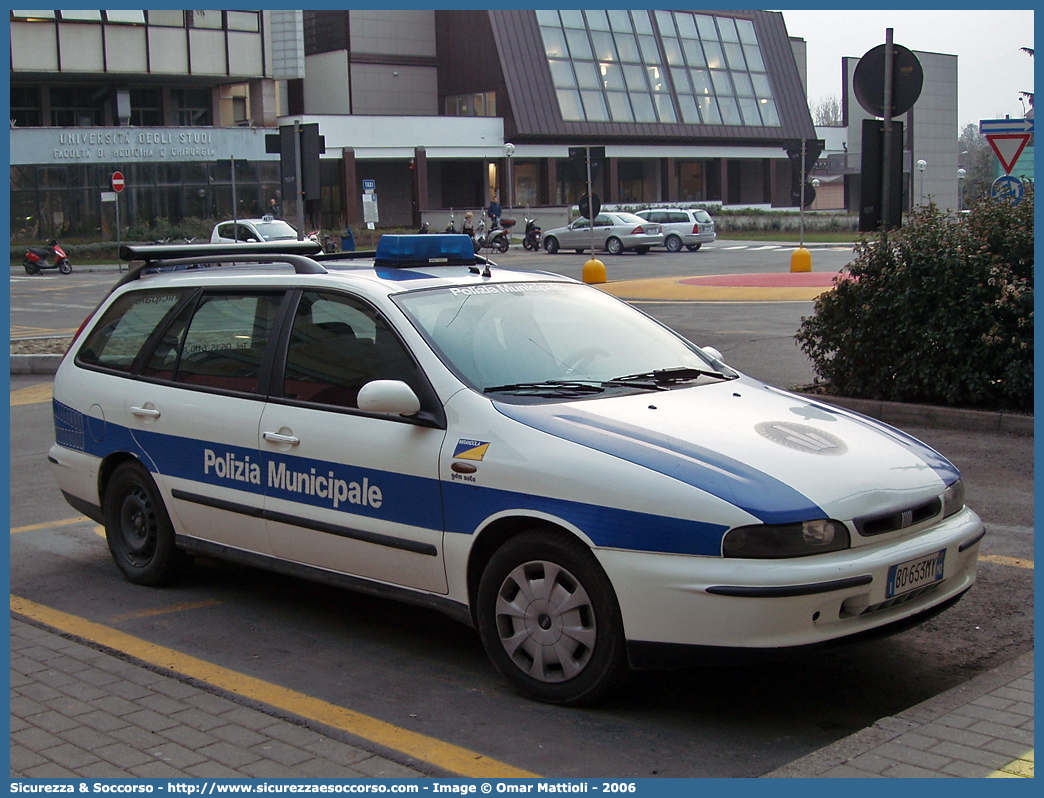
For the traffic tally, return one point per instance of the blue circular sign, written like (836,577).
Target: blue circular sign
(1007,187)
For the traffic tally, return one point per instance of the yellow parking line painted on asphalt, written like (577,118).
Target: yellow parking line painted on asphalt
(1021,768)
(32,394)
(47,524)
(185,606)
(1000,559)
(443,755)
(671,289)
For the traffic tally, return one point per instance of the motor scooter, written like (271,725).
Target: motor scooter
(500,238)
(531,238)
(50,257)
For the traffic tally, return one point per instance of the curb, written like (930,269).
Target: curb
(887,729)
(35,364)
(899,414)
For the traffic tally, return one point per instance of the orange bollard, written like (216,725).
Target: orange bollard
(801,260)
(594,271)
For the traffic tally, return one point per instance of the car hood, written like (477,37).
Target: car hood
(779,456)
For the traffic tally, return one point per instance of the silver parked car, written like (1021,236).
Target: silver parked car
(613,232)
(688,227)
(267,228)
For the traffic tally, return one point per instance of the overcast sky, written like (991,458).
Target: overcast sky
(991,69)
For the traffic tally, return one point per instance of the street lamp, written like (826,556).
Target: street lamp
(921,166)
(961,174)
(509,150)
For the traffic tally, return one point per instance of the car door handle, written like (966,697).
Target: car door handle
(145,412)
(275,437)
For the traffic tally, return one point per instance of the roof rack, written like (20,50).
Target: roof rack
(154,252)
(170,257)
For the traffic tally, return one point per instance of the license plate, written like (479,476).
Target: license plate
(913,574)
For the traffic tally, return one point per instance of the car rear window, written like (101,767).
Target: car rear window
(118,337)
(703,216)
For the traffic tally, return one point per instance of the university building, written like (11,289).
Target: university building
(689,106)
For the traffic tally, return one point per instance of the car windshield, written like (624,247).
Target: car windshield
(532,337)
(276,230)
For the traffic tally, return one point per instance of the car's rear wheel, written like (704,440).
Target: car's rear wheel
(614,246)
(551,245)
(138,529)
(694,247)
(548,618)
(673,244)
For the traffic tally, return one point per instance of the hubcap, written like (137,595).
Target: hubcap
(546,621)
(138,530)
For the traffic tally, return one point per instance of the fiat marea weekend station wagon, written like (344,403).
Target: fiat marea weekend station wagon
(590,491)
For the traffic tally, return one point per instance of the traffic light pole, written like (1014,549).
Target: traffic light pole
(886,156)
(297,177)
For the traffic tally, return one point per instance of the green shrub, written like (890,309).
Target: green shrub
(944,316)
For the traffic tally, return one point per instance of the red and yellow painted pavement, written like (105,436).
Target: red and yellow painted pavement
(763,287)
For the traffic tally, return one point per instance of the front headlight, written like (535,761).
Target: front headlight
(765,541)
(953,499)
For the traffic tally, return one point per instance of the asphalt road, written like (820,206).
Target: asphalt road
(423,672)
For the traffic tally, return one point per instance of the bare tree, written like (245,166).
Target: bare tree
(827,112)
(976,158)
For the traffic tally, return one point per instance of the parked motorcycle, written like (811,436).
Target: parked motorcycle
(423,229)
(531,238)
(500,238)
(50,257)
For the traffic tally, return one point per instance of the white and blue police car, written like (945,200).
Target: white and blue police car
(588,489)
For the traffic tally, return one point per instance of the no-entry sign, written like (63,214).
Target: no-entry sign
(117,181)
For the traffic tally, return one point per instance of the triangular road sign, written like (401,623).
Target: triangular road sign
(1008,147)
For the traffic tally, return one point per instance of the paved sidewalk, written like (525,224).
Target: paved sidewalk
(982,728)
(80,712)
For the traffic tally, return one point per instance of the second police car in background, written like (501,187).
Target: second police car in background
(534,457)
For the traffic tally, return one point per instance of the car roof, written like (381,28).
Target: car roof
(399,264)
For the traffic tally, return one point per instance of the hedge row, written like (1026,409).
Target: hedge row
(943,315)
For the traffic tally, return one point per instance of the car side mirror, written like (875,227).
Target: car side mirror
(393,397)
(714,353)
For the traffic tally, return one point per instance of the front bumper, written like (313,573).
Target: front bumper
(774,604)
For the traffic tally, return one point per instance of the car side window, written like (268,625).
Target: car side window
(127,325)
(677,216)
(603,221)
(337,345)
(226,339)
(580,224)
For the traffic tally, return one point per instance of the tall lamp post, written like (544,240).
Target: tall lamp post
(961,174)
(921,166)
(509,150)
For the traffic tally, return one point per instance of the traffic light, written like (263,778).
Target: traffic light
(311,145)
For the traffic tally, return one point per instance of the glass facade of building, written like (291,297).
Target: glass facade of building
(661,66)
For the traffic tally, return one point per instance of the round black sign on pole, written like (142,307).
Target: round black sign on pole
(907,79)
(590,206)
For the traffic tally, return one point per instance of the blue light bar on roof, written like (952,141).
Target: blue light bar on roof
(425,250)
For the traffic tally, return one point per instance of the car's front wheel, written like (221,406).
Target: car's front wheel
(673,244)
(551,245)
(614,246)
(138,529)
(548,618)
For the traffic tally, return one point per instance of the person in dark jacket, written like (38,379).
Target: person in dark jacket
(494,213)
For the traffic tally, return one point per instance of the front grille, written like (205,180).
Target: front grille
(898,519)
(895,601)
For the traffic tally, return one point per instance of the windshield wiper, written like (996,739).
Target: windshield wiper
(548,388)
(661,378)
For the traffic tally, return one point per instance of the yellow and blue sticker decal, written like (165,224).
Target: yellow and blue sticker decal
(468,449)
